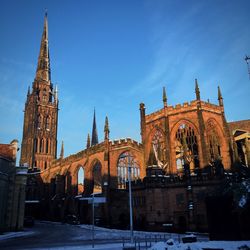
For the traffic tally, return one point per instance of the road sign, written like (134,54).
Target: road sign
(97,200)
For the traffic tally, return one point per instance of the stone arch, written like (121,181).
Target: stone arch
(185,146)
(215,139)
(125,158)
(96,175)
(157,146)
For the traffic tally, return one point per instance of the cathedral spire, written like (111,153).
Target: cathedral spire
(197,90)
(88,141)
(106,129)
(220,99)
(94,139)
(43,65)
(62,151)
(164,97)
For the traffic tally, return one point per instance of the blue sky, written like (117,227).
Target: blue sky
(112,55)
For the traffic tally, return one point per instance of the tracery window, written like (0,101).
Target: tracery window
(186,148)
(97,177)
(125,160)
(80,180)
(213,142)
(158,148)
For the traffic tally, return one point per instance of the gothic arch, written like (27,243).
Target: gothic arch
(185,146)
(122,168)
(215,140)
(96,175)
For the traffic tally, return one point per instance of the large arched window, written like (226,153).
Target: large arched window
(97,177)
(186,148)
(80,180)
(213,141)
(159,148)
(125,160)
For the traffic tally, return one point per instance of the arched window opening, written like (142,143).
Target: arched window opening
(45,165)
(47,146)
(213,142)
(41,146)
(159,149)
(125,161)
(39,122)
(97,177)
(80,180)
(186,148)
(47,123)
(35,145)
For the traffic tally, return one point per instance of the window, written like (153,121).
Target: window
(80,180)
(47,146)
(47,124)
(41,146)
(44,95)
(97,177)
(125,160)
(39,122)
(186,148)
(159,149)
(213,142)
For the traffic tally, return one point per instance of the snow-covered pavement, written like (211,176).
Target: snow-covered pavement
(52,235)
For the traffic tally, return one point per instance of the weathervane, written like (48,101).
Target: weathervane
(247,59)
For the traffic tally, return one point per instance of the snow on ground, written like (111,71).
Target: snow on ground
(225,245)
(9,235)
(116,246)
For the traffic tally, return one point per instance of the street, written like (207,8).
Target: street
(48,235)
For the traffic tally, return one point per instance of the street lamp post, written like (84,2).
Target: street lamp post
(93,218)
(130,200)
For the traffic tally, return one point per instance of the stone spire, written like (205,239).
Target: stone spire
(62,151)
(197,90)
(220,99)
(43,65)
(164,97)
(94,139)
(106,129)
(88,141)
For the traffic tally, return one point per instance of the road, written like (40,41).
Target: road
(48,235)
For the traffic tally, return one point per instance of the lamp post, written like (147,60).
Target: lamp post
(93,218)
(130,200)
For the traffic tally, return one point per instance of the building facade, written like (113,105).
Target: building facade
(182,157)
(12,189)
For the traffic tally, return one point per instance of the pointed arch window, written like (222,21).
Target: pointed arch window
(125,160)
(39,122)
(35,145)
(159,148)
(213,142)
(97,177)
(186,148)
(47,146)
(80,180)
(47,123)
(41,145)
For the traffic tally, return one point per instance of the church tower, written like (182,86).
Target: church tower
(39,144)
